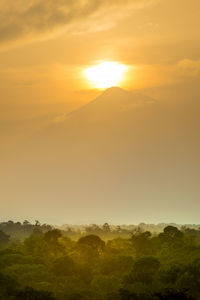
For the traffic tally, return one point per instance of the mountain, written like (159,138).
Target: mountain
(110,111)
(114,101)
(106,125)
(123,156)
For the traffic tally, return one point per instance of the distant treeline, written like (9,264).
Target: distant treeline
(107,231)
(49,265)
(20,230)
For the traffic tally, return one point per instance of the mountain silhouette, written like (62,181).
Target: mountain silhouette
(103,127)
(111,102)
(107,115)
(120,147)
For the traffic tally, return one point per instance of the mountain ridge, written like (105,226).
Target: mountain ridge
(114,100)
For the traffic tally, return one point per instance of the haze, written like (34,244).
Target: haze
(76,152)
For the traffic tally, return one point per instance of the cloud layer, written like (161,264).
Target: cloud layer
(28,19)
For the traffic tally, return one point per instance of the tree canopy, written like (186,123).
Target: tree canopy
(47,264)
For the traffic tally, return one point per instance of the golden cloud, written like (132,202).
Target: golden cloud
(23,19)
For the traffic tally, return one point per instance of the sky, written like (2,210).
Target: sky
(45,47)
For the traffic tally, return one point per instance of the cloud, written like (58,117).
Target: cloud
(30,19)
(189,67)
(59,119)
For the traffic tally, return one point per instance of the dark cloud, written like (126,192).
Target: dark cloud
(27,19)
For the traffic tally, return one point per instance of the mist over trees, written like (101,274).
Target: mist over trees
(39,261)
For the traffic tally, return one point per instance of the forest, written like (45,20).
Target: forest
(42,262)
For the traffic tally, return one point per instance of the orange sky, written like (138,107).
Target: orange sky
(46,45)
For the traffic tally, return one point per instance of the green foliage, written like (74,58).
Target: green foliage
(19,231)
(52,236)
(31,294)
(145,270)
(142,242)
(4,239)
(49,265)
(92,241)
(7,287)
(64,266)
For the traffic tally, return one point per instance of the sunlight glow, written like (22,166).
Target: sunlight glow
(105,74)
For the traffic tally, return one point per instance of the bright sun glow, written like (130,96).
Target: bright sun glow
(105,74)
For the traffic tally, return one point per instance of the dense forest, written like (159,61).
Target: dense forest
(41,262)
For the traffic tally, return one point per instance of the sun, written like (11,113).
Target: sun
(106,74)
